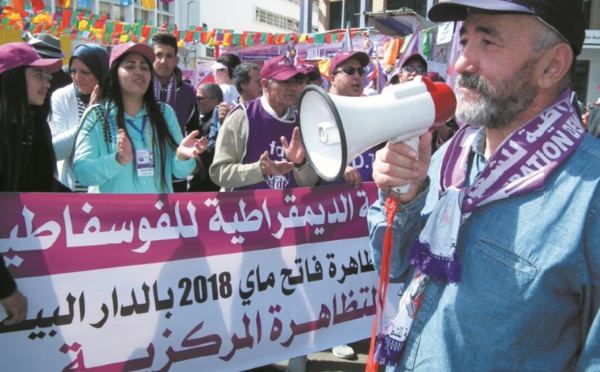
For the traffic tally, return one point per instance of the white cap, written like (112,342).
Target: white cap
(217,66)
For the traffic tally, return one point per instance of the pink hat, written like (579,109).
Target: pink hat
(342,57)
(13,55)
(279,68)
(130,47)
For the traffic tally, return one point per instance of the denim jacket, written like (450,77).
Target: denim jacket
(529,292)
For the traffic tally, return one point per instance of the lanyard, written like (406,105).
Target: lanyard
(141,130)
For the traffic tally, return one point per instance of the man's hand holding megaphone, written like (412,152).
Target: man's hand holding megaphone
(397,164)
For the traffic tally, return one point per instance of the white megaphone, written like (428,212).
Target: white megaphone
(336,129)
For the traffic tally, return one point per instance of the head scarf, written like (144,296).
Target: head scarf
(94,57)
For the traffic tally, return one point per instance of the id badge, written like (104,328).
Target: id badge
(145,163)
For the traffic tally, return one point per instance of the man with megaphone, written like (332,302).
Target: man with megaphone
(505,273)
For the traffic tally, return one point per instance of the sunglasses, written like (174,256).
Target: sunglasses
(350,70)
(418,69)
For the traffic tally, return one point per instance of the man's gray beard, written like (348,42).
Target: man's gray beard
(497,107)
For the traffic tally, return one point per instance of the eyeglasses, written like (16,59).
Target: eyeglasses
(350,70)
(418,69)
(202,99)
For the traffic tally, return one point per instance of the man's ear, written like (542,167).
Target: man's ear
(555,64)
(331,79)
(264,83)
(177,58)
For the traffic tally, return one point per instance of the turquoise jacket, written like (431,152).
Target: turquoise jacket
(95,162)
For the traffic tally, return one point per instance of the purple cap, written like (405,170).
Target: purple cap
(564,16)
(279,68)
(413,56)
(342,57)
(311,71)
(434,76)
(131,47)
(13,55)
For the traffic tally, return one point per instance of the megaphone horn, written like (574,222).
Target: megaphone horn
(335,129)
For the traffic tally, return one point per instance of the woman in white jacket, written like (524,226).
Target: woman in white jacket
(89,67)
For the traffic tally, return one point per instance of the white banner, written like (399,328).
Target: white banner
(193,309)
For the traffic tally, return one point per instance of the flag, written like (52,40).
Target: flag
(149,4)
(324,67)
(454,54)
(37,5)
(391,50)
(84,3)
(347,43)
(444,34)
(427,45)
(18,6)
(64,3)
(408,49)
(381,78)
(125,2)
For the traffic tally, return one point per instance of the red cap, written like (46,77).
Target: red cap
(13,55)
(130,47)
(342,57)
(279,68)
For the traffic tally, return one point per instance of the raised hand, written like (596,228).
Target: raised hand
(268,166)
(190,147)
(95,95)
(124,148)
(351,175)
(224,109)
(294,150)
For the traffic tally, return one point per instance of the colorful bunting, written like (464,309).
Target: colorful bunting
(91,27)
(37,5)
(426,44)
(18,6)
(149,4)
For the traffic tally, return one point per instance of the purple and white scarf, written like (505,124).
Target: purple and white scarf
(521,164)
(170,97)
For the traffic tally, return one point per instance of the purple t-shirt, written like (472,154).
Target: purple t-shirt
(264,133)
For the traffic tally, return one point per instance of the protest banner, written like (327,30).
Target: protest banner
(221,281)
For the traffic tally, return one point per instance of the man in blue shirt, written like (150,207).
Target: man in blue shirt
(505,273)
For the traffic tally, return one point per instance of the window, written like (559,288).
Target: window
(580,79)
(119,13)
(272,19)
(105,9)
(164,18)
(315,3)
(351,13)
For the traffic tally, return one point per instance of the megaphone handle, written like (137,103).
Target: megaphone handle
(414,144)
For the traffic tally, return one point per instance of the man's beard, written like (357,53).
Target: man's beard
(497,106)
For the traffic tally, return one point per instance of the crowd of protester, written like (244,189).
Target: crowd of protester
(128,123)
